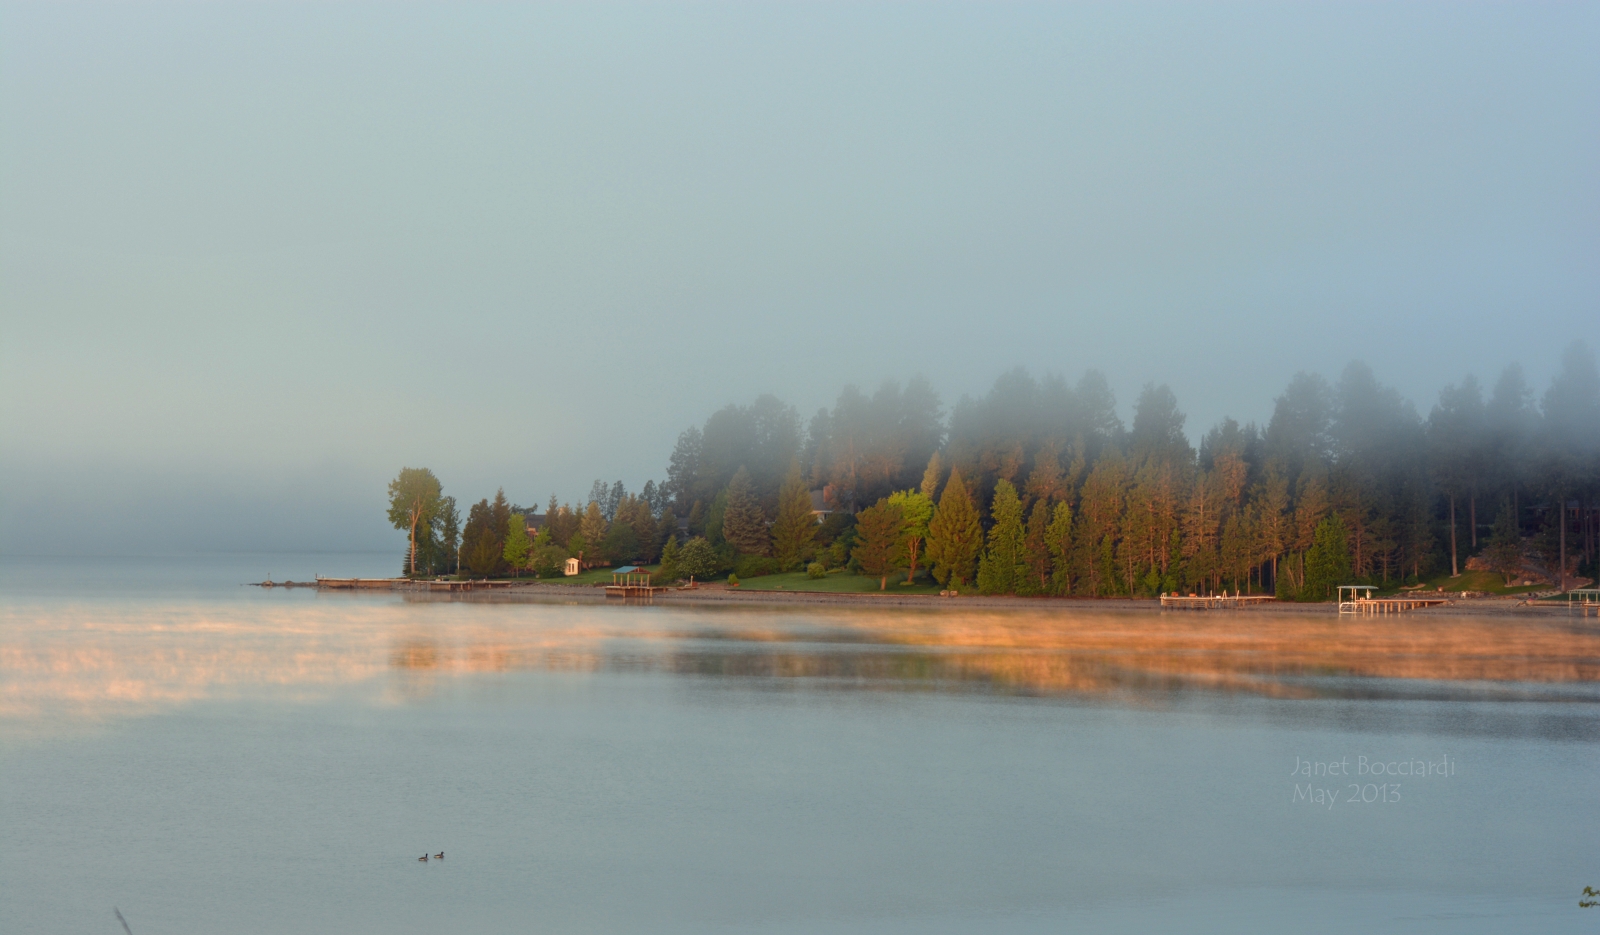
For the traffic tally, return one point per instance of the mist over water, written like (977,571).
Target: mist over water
(212,758)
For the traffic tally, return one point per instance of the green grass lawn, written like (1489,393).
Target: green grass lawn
(837,583)
(1487,581)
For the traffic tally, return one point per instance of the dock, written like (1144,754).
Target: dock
(405,584)
(1389,605)
(1223,601)
(631,581)
(1358,599)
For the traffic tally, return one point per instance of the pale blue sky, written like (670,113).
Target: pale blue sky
(255,258)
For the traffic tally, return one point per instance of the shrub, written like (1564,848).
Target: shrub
(733,580)
(816,570)
(754,566)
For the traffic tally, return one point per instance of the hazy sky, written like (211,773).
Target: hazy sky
(253,259)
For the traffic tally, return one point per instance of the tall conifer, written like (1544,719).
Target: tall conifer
(1003,562)
(955,535)
(1059,539)
(794,529)
(743,525)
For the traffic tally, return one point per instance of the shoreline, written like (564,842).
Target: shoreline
(722,595)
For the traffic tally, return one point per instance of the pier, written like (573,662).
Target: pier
(1358,599)
(405,584)
(1223,601)
(631,581)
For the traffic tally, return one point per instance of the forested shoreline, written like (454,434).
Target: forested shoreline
(1039,488)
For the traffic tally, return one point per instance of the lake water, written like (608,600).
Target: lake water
(208,757)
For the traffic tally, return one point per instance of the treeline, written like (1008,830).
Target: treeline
(1038,487)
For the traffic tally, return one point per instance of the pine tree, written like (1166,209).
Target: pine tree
(1058,538)
(1036,552)
(916,510)
(795,529)
(930,478)
(878,538)
(1327,561)
(743,525)
(1003,562)
(593,529)
(669,561)
(1505,545)
(499,522)
(480,548)
(955,535)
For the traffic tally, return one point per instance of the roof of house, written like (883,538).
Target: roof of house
(819,504)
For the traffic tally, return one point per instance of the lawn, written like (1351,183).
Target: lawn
(837,583)
(1486,581)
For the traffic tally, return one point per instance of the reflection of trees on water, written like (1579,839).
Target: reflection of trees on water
(90,664)
(1013,654)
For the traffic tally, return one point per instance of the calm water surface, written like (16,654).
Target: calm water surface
(214,758)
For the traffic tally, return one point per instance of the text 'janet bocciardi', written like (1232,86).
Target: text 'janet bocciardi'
(1363,780)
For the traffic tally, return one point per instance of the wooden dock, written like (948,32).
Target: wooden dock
(631,581)
(1213,601)
(633,590)
(1389,605)
(405,584)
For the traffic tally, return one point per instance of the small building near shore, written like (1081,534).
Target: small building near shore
(573,566)
(819,506)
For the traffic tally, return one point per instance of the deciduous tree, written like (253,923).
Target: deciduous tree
(697,559)
(916,510)
(414,501)
(518,545)
(879,529)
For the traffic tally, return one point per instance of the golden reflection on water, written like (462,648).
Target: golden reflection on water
(96,662)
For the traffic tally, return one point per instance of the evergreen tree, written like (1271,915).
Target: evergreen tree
(1003,563)
(1058,537)
(499,522)
(448,523)
(1036,552)
(743,525)
(669,561)
(645,528)
(916,510)
(1505,545)
(955,534)
(593,529)
(578,547)
(518,545)
(714,517)
(931,476)
(621,543)
(794,530)
(481,548)
(1327,561)
(879,531)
